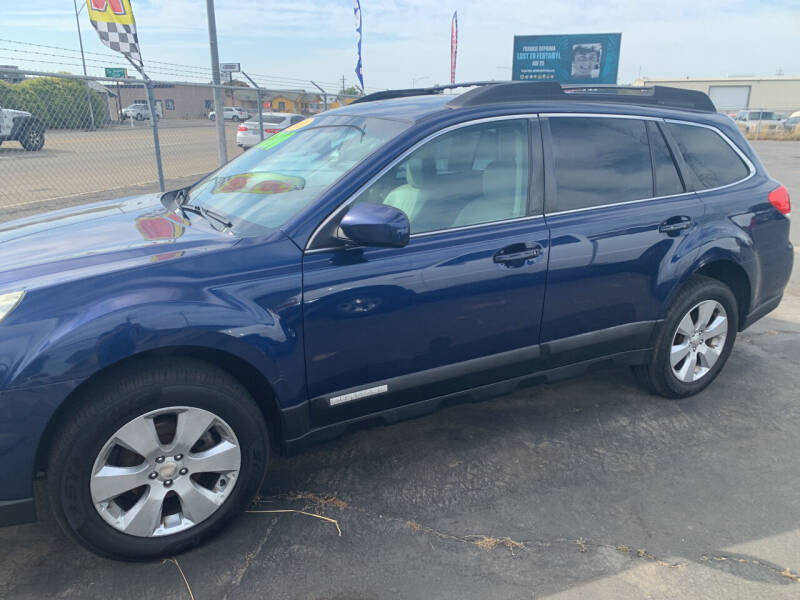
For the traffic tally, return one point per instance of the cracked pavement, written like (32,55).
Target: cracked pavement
(584,488)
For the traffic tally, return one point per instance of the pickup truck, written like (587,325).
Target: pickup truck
(21,126)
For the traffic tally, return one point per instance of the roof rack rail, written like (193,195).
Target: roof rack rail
(428,91)
(493,92)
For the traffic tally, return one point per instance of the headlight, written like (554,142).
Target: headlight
(9,302)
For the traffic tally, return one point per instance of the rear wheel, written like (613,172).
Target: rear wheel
(694,341)
(157,459)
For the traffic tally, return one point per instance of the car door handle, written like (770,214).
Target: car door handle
(675,224)
(518,252)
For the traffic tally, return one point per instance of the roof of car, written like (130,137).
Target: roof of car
(415,104)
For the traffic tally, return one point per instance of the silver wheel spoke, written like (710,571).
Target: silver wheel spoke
(145,516)
(705,312)
(221,458)
(686,326)
(197,502)
(139,436)
(192,424)
(109,482)
(686,372)
(708,356)
(718,327)
(678,352)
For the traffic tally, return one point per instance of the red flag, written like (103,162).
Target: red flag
(453,46)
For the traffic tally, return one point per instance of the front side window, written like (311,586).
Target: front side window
(708,155)
(272,182)
(599,161)
(472,175)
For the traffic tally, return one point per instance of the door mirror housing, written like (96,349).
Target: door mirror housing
(375,225)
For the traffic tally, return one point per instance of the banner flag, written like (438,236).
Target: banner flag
(114,22)
(357,11)
(453,46)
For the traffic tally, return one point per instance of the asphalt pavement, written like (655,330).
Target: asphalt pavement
(588,488)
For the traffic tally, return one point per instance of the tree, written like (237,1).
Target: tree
(352,91)
(59,103)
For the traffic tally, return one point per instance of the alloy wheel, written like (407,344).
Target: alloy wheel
(165,471)
(698,341)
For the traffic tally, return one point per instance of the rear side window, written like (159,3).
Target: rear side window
(709,156)
(599,161)
(667,181)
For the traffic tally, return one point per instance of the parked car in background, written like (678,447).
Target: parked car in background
(247,136)
(368,265)
(140,112)
(23,127)
(231,113)
(757,120)
(792,124)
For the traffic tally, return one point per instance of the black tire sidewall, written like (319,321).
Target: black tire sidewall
(27,141)
(704,289)
(69,477)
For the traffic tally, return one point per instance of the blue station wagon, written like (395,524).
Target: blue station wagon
(363,266)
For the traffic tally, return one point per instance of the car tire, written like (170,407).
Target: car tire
(212,118)
(177,502)
(139,117)
(235,119)
(32,138)
(708,307)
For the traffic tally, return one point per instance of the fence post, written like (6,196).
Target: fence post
(154,120)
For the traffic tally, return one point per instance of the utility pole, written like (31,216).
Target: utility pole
(219,109)
(83,60)
(342,84)
(260,106)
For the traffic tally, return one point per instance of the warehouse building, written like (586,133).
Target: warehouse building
(779,94)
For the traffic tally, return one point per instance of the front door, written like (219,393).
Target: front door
(459,307)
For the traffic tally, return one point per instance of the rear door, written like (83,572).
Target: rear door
(460,305)
(621,221)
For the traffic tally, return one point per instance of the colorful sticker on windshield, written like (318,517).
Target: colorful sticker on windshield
(258,183)
(300,125)
(274,140)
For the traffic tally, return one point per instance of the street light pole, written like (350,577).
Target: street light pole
(83,60)
(219,112)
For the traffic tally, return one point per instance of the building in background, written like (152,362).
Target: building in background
(11,77)
(729,94)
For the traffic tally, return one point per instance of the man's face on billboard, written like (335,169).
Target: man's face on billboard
(584,63)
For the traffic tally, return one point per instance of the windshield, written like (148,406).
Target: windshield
(273,181)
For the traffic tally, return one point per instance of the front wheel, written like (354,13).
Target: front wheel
(694,340)
(157,459)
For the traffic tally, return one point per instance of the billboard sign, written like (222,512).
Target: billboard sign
(230,67)
(119,73)
(578,58)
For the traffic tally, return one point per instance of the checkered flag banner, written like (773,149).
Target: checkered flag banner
(114,22)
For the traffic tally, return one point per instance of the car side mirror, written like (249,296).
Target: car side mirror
(380,225)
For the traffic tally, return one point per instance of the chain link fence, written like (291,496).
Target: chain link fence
(67,139)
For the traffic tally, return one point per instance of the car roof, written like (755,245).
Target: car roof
(514,97)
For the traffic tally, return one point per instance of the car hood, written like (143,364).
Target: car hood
(15,113)
(97,238)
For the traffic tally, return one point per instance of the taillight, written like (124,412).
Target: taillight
(242,127)
(779,198)
(271,130)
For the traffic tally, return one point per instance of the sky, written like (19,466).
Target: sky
(286,43)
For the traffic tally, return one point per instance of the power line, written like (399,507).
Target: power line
(182,69)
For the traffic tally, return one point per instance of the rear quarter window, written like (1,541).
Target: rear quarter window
(711,159)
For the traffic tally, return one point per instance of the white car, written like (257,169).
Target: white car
(140,112)
(23,127)
(757,120)
(231,113)
(248,136)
